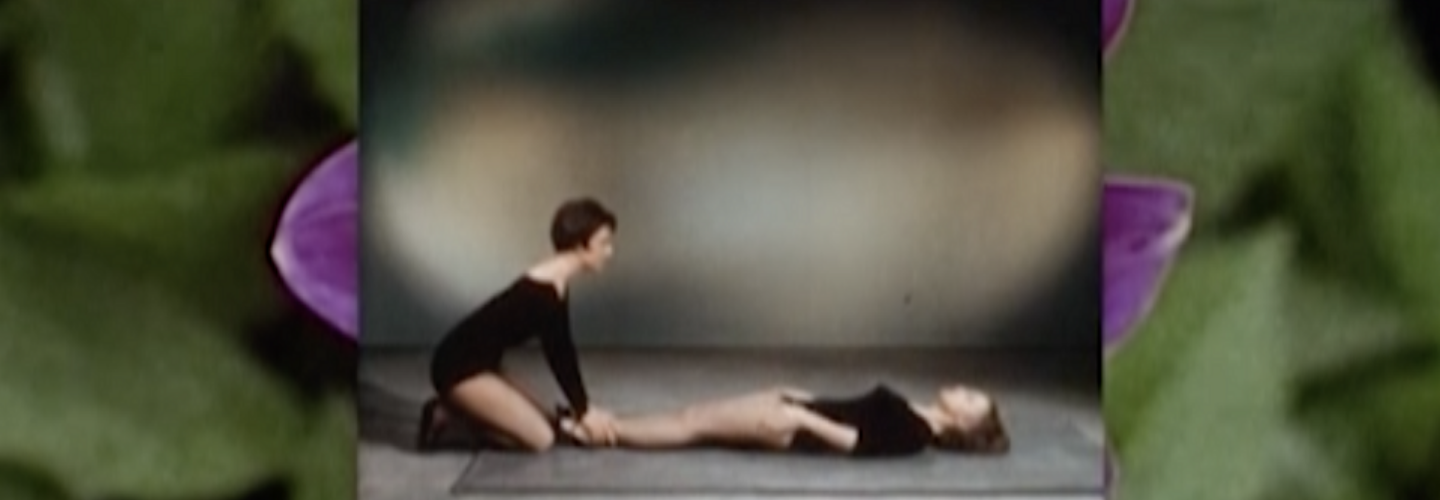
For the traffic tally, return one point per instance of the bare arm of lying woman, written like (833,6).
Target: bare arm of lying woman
(877,423)
(832,434)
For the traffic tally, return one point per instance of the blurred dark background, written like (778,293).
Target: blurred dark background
(728,136)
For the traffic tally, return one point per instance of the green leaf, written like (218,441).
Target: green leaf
(114,388)
(19,484)
(1335,326)
(1204,378)
(1388,420)
(1202,283)
(327,32)
(1308,471)
(17,154)
(325,463)
(126,86)
(202,230)
(1211,91)
(1324,182)
(1397,125)
(9,23)
(16,150)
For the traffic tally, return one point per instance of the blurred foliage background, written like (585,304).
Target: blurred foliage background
(147,349)
(1293,353)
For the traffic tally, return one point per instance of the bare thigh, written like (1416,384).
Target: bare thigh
(493,400)
(525,390)
(755,419)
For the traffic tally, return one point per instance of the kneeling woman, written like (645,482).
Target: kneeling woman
(465,369)
(878,423)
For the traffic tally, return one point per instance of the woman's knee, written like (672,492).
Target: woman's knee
(538,440)
(494,402)
(530,437)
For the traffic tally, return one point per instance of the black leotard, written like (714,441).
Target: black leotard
(884,420)
(525,310)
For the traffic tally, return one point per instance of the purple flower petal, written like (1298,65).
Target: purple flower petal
(1114,17)
(1145,223)
(316,242)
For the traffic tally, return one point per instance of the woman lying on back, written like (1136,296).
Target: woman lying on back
(878,423)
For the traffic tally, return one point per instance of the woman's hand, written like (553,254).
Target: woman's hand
(598,426)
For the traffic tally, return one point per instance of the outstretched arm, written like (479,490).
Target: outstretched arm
(564,363)
(837,436)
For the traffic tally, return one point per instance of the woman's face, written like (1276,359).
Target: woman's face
(598,251)
(965,406)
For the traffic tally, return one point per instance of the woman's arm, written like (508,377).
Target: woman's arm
(838,436)
(564,363)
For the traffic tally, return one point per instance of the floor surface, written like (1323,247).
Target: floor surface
(1056,386)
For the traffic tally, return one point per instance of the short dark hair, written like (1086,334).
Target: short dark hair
(987,436)
(576,221)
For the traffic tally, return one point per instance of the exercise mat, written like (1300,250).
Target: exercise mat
(1045,458)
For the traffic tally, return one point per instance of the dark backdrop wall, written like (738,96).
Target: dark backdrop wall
(822,174)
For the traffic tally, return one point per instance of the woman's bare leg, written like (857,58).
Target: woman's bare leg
(663,430)
(751,420)
(525,390)
(494,401)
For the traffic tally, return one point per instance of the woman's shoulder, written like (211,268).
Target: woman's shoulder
(531,288)
(881,391)
(520,290)
(545,286)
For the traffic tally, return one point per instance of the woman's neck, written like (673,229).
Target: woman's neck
(557,270)
(932,416)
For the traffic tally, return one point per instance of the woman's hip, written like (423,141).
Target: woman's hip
(446,372)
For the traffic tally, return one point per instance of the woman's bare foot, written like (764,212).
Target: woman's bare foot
(432,421)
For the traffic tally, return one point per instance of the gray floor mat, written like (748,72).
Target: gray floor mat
(1050,403)
(1046,458)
